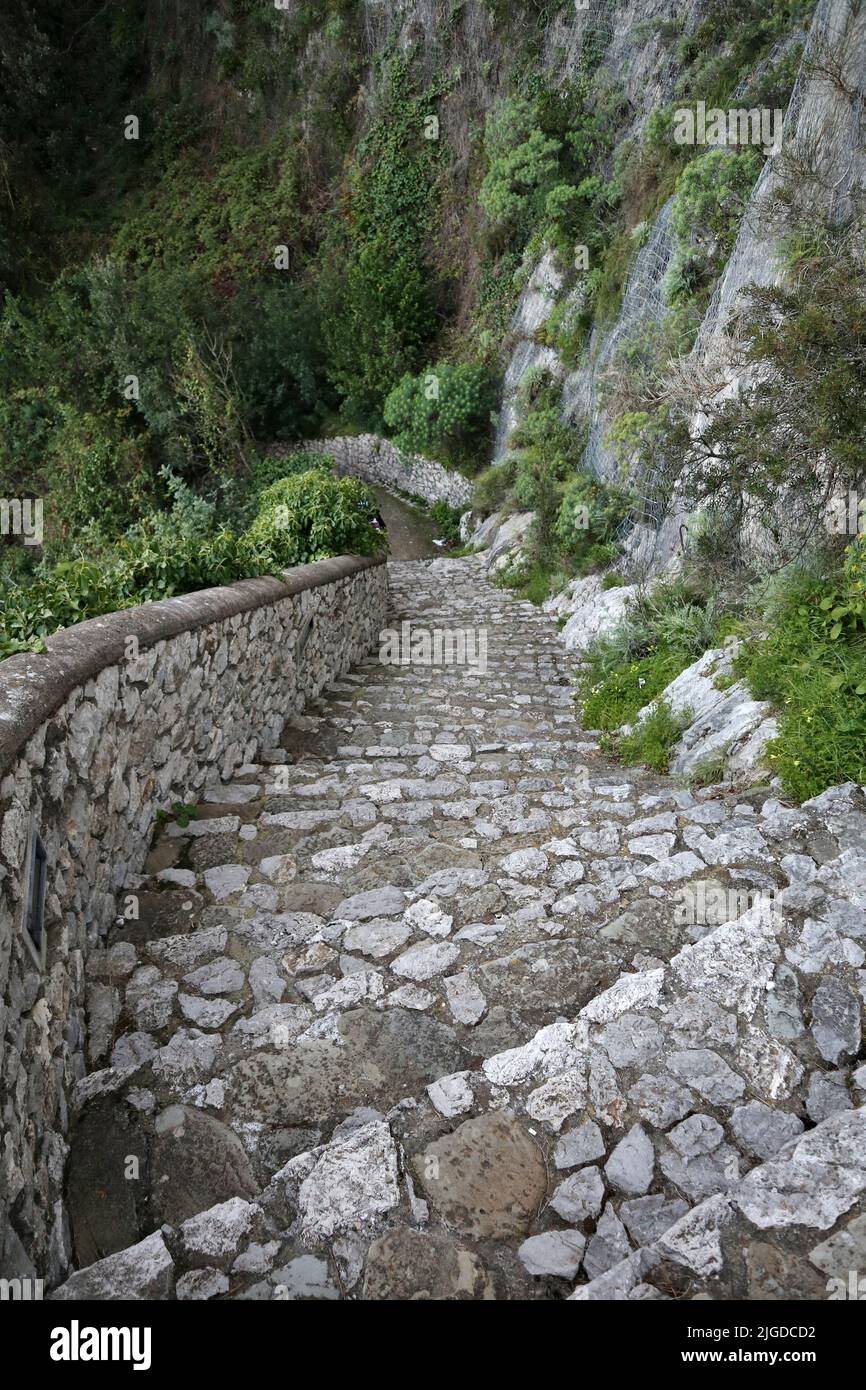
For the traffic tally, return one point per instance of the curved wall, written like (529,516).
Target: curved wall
(123,716)
(377,460)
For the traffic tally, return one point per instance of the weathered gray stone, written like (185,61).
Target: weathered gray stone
(205,1013)
(630,1166)
(580,1145)
(424,961)
(525,863)
(304,1278)
(815,1179)
(212,1238)
(660,1100)
(452,1095)
(376,938)
(827,1094)
(405,1264)
(835,1019)
(647,1218)
(842,1252)
(579,1197)
(144,1271)
(352,1180)
(608,1246)
(224,880)
(220,976)
(763,1131)
(700,1163)
(557,1253)
(427,916)
(465,1000)
(707,1073)
(197,1162)
(376,902)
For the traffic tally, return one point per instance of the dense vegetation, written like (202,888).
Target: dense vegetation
(230,225)
(306,515)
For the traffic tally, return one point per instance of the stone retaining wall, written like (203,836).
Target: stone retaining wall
(376,460)
(123,716)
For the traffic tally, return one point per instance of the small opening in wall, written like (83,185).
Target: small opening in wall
(304,634)
(34,922)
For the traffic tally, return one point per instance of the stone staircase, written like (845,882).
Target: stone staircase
(433,1001)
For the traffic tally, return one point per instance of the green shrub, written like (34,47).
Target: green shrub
(576,516)
(377,288)
(663,632)
(531,580)
(653,740)
(157,563)
(712,194)
(446,519)
(492,487)
(377,315)
(305,517)
(618,698)
(812,666)
(311,516)
(444,412)
(279,361)
(567,329)
(540,153)
(221,222)
(606,281)
(515,175)
(589,514)
(272,468)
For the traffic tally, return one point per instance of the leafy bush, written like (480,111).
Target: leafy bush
(153,565)
(576,515)
(652,742)
(311,516)
(540,153)
(664,630)
(493,486)
(279,361)
(515,175)
(567,328)
(712,194)
(618,698)
(272,468)
(377,315)
(533,581)
(305,517)
(589,514)
(376,283)
(221,222)
(447,520)
(812,666)
(445,412)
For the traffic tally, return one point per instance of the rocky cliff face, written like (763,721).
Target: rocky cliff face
(824,145)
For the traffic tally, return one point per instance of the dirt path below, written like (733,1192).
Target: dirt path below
(410,532)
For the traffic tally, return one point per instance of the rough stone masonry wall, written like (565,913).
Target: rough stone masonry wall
(376,460)
(94,739)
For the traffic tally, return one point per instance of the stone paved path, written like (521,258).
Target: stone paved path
(413,1008)
(410,532)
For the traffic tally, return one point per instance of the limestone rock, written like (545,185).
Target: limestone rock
(143,1271)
